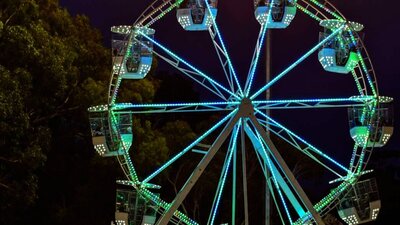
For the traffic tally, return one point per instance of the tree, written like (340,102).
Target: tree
(52,67)
(21,149)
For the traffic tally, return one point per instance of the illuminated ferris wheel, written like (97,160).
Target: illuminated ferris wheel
(245,124)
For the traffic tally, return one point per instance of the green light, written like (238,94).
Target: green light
(352,62)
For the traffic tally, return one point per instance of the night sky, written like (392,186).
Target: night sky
(240,29)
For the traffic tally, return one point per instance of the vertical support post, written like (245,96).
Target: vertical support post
(268,96)
(244,174)
(234,180)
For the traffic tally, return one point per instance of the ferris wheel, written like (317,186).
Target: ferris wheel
(245,124)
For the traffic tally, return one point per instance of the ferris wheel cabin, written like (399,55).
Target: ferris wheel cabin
(106,140)
(339,54)
(378,134)
(132,208)
(193,15)
(361,204)
(131,51)
(282,13)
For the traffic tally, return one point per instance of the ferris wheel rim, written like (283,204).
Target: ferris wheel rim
(336,11)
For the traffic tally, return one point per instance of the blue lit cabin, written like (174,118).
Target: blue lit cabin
(339,54)
(105,141)
(193,15)
(132,52)
(282,14)
(376,135)
(132,209)
(361,204)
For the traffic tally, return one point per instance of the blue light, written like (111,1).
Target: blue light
(283,73)
(232,149)
(263,145)
(255,62)
(317,100)
(302,140)
(224,48)
(121,106)
(189,65)
(176,157)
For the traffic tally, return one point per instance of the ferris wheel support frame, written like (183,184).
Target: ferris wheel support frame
(162,7)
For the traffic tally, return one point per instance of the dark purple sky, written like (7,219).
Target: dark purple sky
(240,29)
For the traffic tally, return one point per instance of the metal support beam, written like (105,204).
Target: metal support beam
(199,170)
(274,151)
(268,97)
(244,175)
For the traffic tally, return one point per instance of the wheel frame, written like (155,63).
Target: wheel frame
(363,74)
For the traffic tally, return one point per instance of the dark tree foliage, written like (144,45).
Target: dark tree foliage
(52,67)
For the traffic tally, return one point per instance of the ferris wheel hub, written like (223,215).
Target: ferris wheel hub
(246,107)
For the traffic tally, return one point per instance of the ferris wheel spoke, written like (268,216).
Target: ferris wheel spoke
(297,62)
(278,180)
(198,171)
(225,169)
(123,108)
(223,61)
(256,56)
(290,139)
(196,74)
(298,142)
(257,51)
(283,167)
(268,177)
(274,197)
(189,147)
(314,103)
(223,54)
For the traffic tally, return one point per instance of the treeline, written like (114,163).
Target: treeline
(53,66)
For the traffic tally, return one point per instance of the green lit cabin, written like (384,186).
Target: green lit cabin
(339,54)
(380,130)
(132,209)
(361,204)
(132,53)
(106,142)
(282,14)
(193,15)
